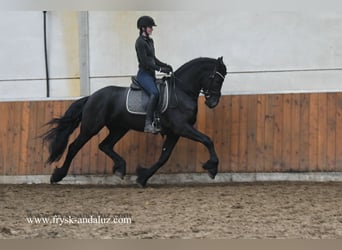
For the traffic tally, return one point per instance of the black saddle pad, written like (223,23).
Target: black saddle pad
(137,98)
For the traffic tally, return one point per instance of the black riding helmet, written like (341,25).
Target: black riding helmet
(145,21)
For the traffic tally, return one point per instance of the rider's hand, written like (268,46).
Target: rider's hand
(165,70)
(170,67)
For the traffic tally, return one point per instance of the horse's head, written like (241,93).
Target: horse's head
(212,88)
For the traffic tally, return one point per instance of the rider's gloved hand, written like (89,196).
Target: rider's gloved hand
(166,70)
(170,67)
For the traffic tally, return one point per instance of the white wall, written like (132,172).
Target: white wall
(301,44)
(22,61)
(266,52)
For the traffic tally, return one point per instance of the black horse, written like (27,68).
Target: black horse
(107,107)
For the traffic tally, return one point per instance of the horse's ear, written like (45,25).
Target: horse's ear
(220,59)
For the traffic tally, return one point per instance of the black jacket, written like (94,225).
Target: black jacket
(144,47)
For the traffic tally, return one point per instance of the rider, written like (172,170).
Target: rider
(148,64)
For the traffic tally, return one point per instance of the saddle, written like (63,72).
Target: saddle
(137,98)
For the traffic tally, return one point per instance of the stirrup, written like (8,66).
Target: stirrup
(150,128)
(156,123)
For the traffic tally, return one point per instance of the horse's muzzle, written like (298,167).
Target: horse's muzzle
(212,101)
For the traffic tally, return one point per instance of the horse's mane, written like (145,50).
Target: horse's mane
(189,64)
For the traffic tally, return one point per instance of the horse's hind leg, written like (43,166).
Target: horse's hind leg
(107,146)
(83,138)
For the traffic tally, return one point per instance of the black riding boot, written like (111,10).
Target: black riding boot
(150,115)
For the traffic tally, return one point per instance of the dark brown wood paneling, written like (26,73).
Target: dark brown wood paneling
(243,142)
(331,131)
(3,138)
(313,132)
(322,127)
(286,131)
(251,133)
(269,132)
(260,133)
(338,144)
(234,139)
(304,133)
(294,120)
(222,138)
(277,105)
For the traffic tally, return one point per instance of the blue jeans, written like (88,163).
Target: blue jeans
(147,82)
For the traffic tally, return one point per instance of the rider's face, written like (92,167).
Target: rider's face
(149,30)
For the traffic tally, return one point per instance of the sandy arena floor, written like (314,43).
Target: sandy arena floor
(234,210)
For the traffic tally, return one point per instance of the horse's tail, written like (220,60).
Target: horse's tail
(58,136)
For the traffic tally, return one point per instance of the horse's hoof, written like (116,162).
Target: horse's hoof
(211,175)
(141,182)
(142,176)
(211,168)
(52,181)
(119,174)
(120,170)
(57,176)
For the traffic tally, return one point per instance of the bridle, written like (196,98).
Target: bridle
(209,90)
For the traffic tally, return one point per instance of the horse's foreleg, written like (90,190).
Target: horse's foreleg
(107,146)
(211,165)
(143,174)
